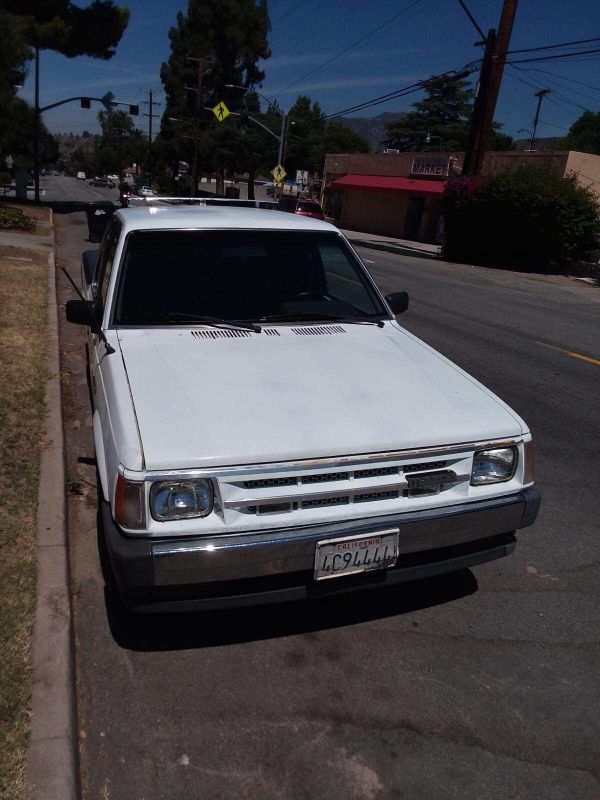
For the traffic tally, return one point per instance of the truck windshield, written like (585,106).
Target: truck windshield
(241,276)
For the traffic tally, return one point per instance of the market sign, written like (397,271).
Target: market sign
(433,166)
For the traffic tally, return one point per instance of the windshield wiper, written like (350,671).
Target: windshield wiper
(313,316)
(214,322)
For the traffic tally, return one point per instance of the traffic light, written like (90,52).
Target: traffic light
(86,102)
(134,110)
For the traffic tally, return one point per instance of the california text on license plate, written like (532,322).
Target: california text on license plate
(350,554)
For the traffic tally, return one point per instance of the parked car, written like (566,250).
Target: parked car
(145,191)
(81,176)
(301,206)
(265,430)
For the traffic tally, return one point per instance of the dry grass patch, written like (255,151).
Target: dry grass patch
(23,322)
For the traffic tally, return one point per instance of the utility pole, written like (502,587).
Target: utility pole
(150,103)
(492,69)
(36,128)
(540,96)
(201,71)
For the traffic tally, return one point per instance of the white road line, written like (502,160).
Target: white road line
(367,261)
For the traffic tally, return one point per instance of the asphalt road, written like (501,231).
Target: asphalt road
(481,685)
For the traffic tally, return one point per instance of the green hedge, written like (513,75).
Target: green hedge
(13,219)
(529,219)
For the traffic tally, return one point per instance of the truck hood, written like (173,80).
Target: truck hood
(286,395)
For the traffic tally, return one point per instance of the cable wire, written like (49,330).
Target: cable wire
(351,46)
(413,87)
(554,46)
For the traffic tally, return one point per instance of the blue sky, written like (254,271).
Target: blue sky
(430,37)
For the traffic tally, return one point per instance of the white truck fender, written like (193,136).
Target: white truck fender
(100,458)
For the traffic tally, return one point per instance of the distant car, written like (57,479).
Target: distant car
(55,173)
(145,191)
(298,205)
(103,182)
(113,178)
(81,176)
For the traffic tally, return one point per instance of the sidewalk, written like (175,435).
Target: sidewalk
(392,244)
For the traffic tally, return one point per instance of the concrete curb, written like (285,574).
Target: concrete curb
(394,248)
(51,755)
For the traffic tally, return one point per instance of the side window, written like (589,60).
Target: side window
(107,257)
(342,278)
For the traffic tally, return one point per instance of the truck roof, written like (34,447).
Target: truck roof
(215,218)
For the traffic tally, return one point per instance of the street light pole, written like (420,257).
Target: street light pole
(284,120)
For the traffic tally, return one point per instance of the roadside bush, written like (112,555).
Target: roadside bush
(13,219)
(529,219)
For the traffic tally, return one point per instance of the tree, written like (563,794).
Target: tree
(13,142)
(14,55)
(63,26)
(121,143)
(584,134)
(444,112)
(231,37)
(341,139)
(58,25)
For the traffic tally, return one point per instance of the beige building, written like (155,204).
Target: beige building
(400,194)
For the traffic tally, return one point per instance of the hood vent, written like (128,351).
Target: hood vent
(318,330)
(270,331)
(221,333)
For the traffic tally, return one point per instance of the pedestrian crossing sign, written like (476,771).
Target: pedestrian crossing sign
(221,111)
(278,173)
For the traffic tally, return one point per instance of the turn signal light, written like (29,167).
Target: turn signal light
(130,509)
(528,468)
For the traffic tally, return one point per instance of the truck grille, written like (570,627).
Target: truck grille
(388,485)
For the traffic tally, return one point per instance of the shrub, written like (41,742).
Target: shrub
(13,219)
(529,219)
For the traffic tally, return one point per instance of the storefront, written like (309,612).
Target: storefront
(391,206)
(403,207)
(399,194)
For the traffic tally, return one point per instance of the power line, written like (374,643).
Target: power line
(557,93)
(553,46)
(552,58)
(352,46)
(562,87)
(566,78)
(413,87)
(290,11)
(464,7)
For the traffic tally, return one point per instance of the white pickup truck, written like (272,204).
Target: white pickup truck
(264,428)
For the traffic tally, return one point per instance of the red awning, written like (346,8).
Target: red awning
(390,184)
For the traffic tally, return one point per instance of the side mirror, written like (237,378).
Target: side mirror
(89,258)
(397,301)
(81,312)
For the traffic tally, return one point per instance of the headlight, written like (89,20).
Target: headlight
(181,499)
(493,466)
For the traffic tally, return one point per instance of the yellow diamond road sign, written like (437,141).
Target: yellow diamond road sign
(278,173)
(221,111)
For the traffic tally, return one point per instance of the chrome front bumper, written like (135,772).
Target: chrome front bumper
(205,570)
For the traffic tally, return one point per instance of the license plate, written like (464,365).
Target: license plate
(350,554)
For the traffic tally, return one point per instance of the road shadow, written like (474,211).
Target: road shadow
(203,629)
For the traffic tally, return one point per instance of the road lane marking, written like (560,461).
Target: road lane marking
(570,353)
(367,261)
